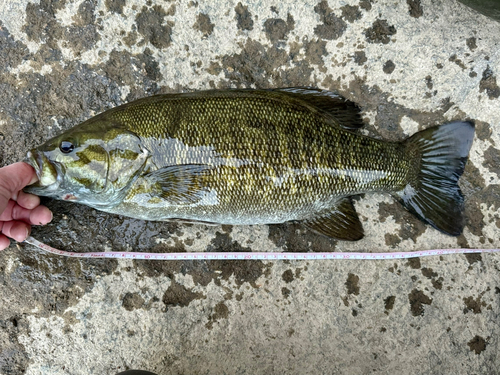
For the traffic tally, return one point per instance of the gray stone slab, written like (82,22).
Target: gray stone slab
(409,65)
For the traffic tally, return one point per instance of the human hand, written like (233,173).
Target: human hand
(19,210)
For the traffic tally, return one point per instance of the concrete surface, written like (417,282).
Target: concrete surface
(408,64)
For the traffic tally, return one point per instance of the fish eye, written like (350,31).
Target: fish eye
(66,147)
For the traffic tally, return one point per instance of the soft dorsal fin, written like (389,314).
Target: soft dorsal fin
(341,222)
(347,113)
(179,184)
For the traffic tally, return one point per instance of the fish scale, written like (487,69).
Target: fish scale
(253,157)
(248,128)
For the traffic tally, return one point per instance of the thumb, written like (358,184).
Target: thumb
(13,178)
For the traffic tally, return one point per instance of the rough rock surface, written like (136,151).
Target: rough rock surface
(408,64)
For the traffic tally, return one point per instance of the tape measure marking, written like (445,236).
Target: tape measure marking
(255,255)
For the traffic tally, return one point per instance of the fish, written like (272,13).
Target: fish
(252,156)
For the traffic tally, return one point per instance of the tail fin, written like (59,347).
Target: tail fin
(433,194)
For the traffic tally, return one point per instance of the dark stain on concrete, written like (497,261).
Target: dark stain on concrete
(287,276)
(243,17)
(415,8)
(483,130)
(389,67)
(414,263)
(473,258)
(428,272)
(380,32)
(453,58)
(428,82)
(41,26)
(277,29)
(204,25)
(437,282)
(220,311)
(472,182)
(332,27)
(352,284)
(477,344)
(179,295)
(204,272)
(473,305)
(256,64)
(86,13)
(242,271)
(119,67)
(315,50)
(410,226)
(492,160)
(132,301)
(293,237)
(360,57)
(224,242)
(150,24)
(13,358)
(389,304)
(115,6)
(285,292)
(490,196)
(12,52)
(471,43)
(417,300)
(351,13)
(366,4)
(489,84)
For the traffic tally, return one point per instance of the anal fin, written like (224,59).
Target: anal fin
(341,222)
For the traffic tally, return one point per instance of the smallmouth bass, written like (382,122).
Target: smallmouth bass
(244,157)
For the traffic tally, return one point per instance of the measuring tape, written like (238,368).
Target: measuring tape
(255,255)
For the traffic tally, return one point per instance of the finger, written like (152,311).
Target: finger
(16,230)
(41,215)
(4,242)
(6,215)
(12,179)
(19,213)
(26,200)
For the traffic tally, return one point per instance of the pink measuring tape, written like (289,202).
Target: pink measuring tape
(255,255)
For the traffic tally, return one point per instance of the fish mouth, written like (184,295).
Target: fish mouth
(35,162)
(48,173)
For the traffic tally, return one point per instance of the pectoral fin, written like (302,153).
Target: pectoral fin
(341,223)
(179,184)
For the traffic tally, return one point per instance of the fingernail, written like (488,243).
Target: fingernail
(33,179)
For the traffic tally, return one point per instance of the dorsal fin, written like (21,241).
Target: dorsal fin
(347,113)
(341,222)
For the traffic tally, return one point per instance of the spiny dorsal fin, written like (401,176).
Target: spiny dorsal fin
(347,113)
(341,223)
(179,184)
